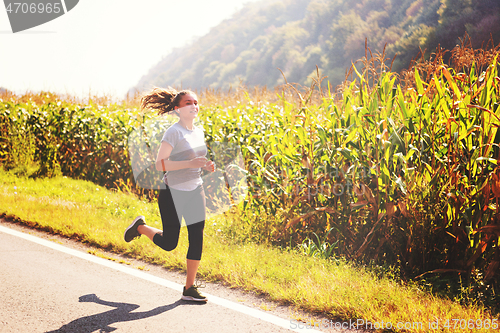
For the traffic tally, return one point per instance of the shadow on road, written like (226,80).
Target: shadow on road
(101,322)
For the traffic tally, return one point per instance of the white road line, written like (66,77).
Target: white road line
(284,323)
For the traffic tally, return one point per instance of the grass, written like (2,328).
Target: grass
(99,254)
(341,290)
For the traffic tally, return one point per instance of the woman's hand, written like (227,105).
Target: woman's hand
(209,166)
(198,162)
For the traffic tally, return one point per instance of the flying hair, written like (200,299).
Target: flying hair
(163,100)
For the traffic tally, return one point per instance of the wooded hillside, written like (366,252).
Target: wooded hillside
(297,35)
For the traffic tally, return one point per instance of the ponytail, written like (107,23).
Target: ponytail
(163,100)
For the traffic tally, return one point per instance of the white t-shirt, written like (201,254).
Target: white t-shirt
(186,146)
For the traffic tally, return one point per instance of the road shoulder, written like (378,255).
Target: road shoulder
(239,296)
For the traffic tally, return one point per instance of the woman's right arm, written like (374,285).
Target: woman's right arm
(164,164)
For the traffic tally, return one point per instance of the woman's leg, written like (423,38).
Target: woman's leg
(192,205)
(194,215)
(195,235)
(192,269)
(148,231)
(169,237)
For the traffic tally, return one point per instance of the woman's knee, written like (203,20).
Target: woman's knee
(195,231)
(164,243)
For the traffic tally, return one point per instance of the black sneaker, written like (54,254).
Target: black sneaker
(192,294)
(131,232)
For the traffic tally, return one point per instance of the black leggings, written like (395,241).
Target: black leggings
(174,205)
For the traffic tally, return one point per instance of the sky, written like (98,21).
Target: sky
(103,47)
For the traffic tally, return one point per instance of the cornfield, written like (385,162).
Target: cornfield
(399,169)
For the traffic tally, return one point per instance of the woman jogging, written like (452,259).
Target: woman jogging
(181,156)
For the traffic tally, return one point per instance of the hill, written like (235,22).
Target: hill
(297,35)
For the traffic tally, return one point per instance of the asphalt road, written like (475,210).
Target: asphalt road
(48,289)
